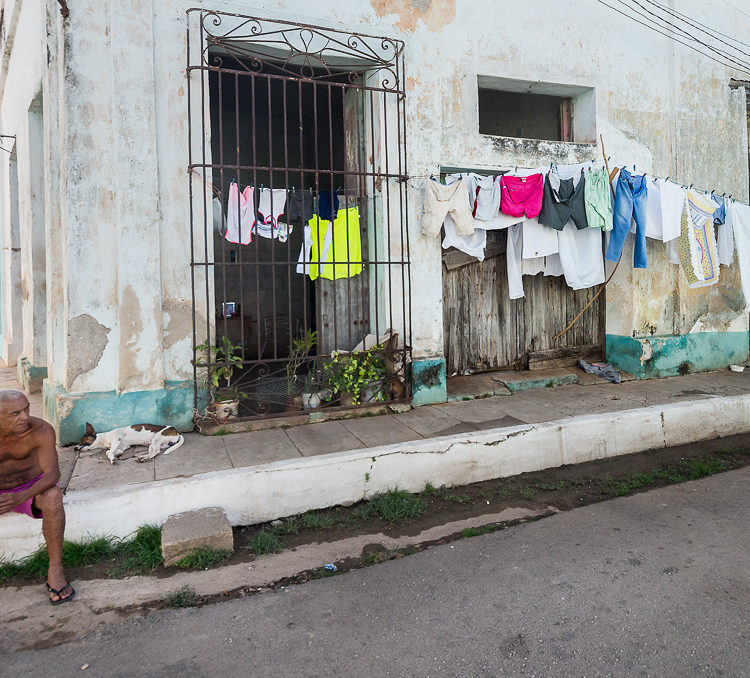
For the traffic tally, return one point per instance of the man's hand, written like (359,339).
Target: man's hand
(9,501)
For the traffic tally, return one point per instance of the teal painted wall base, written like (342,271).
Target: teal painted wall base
(30,377)
(69,412)
(428,381)
(672,355)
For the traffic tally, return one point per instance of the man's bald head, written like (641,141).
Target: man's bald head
(9,396)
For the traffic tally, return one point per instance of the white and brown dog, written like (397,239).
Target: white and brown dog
(116,441)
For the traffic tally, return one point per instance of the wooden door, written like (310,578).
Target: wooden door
(484,329)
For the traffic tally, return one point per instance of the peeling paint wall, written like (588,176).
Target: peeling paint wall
(117,212)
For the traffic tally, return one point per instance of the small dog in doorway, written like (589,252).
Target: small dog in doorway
(118,440)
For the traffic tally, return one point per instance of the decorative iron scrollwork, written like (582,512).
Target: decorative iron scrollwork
(298,50)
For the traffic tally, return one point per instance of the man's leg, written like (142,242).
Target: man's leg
(53,527)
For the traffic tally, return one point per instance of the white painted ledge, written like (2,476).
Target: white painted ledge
(257,494)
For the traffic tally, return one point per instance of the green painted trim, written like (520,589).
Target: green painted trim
(29,376)
(69,412)
(428,384)
(528,383)
(681,354)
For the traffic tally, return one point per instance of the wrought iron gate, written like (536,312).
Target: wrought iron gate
(297,304)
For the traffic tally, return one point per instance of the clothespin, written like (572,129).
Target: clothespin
(293,189)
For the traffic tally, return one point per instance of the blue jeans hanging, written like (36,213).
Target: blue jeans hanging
(630,203)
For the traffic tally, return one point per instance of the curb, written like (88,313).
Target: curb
(262,493)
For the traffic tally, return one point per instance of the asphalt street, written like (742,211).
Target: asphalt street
(657,584)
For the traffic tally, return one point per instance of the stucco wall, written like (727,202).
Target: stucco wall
(115,116)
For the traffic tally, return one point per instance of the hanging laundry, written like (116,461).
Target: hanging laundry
(630,203)
(271,205)
(533,266)
(328,205)
(486,194)
(336,250)
(581,256)
(563,200)
(499,221)
(672,197)
(473,244)
(513,259)
(440,200)
(280,232)
(240,215)
(673,253)
(538,240)
(697,244)
(219,220)
(521,195)
(597,197)
(299,205)
(725,232)
(740,218)
(305,252)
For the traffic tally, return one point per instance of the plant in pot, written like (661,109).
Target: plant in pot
(299,349)
(356,377)
(218,364)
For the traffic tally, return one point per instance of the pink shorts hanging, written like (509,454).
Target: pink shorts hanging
(521,195)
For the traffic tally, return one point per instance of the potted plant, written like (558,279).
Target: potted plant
(356,377)
(219,363)
(299,349)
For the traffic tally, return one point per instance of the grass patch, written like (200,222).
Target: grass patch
(203,558)
(140,554)
(394,506)
(528,493)
(446,494)
(322,573)
(318,520)
(181,597)
(264,542)
(476,531)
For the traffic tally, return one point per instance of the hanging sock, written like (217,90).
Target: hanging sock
(240,215)
(697,244)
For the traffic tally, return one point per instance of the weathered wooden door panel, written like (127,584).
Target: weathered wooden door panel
(485,329)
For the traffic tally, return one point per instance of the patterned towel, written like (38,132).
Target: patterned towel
(697,242)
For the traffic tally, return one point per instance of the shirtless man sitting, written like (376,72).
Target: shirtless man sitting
(28,482)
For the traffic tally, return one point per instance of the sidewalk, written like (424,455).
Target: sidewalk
(260,475)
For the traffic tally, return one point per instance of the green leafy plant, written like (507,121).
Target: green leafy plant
(203,558)
(354,373)
(217,365)
(299,349)
(181,597)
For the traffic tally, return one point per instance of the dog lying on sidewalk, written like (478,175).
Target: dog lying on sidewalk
(118,440)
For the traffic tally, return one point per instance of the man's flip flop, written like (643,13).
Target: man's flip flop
(59,595)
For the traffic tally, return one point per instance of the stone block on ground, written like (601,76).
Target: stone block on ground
(206,528)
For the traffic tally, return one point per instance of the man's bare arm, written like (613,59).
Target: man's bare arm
(47,455)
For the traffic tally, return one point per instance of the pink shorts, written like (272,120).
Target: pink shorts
(521,195)
(27,508)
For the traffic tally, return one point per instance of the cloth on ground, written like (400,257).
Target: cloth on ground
(299,205)
(601,370)
(473,244)
(581,256)
(521,195)
(563,200)
(741,226)
(328,205)
(630,203)
(597,197)
(271,205)
(440,200)
(240,215)
(336,250)
(697,244)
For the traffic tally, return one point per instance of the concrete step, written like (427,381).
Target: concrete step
(183,533)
